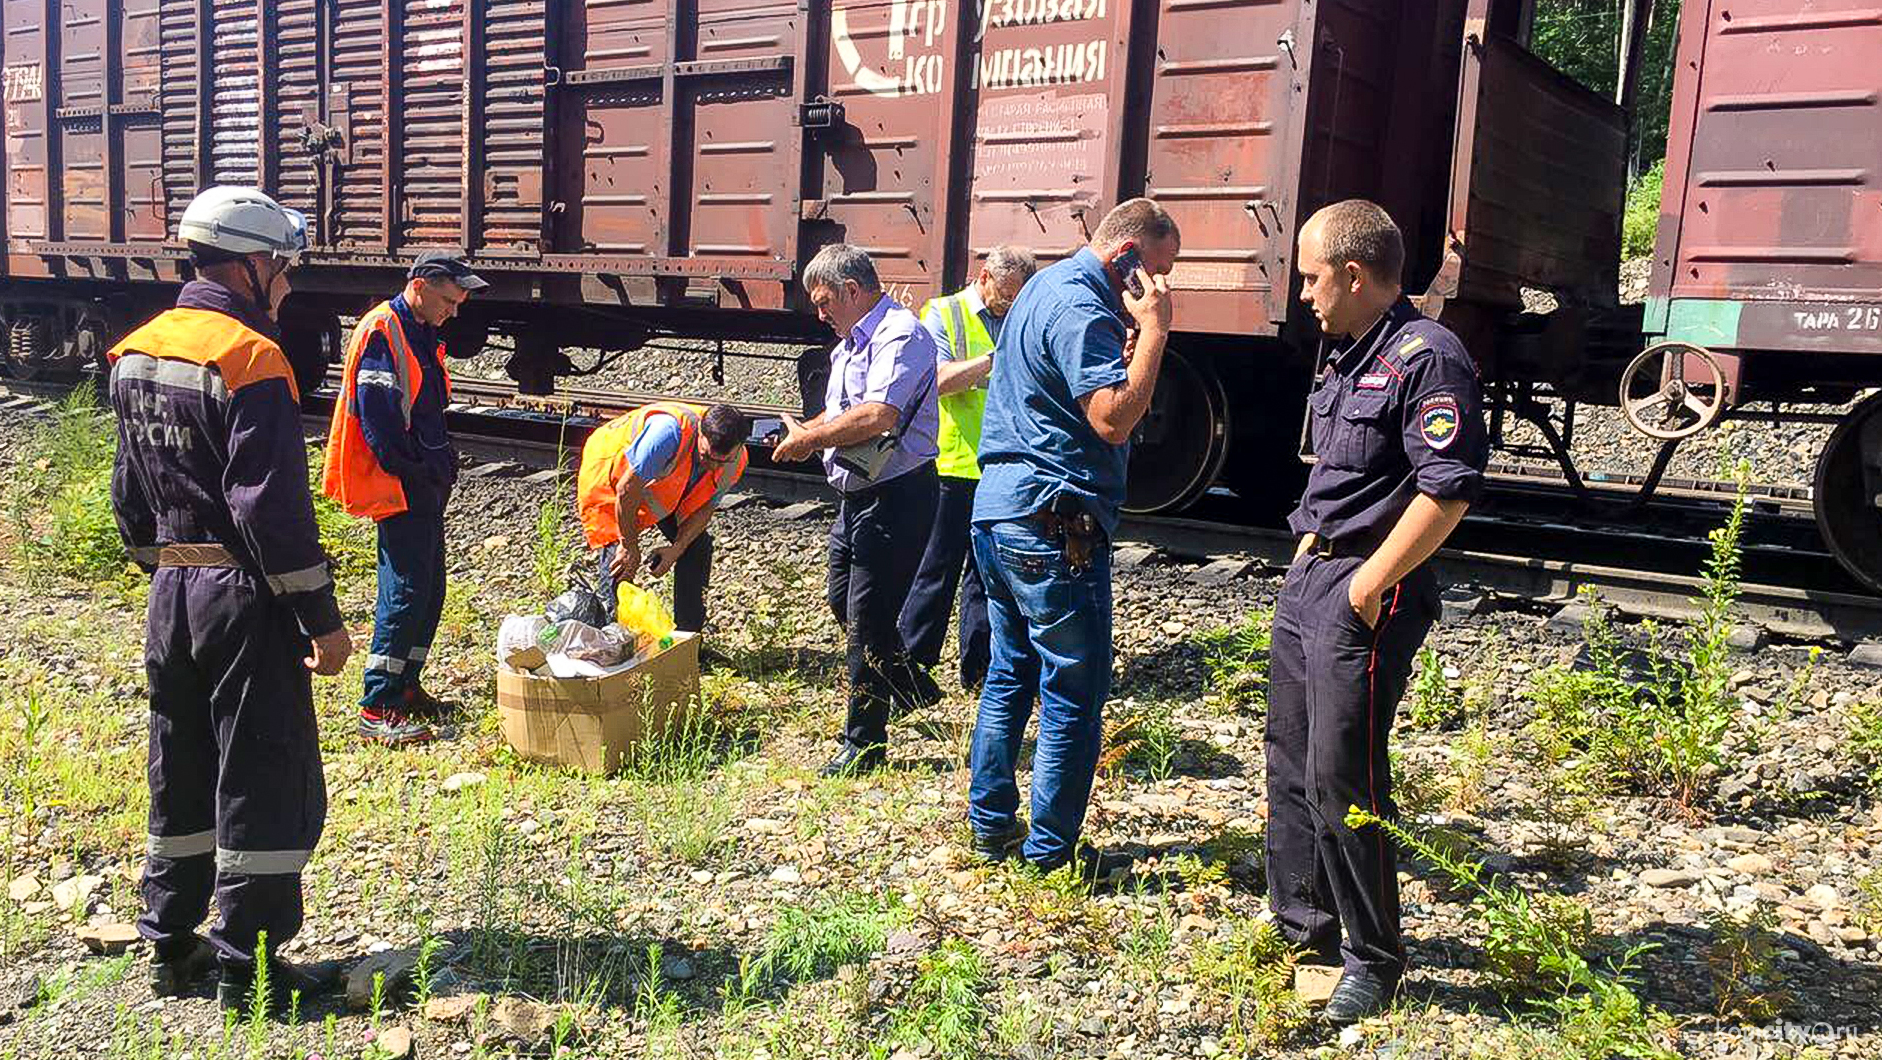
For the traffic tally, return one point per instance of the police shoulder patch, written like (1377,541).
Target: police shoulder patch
(1437,420)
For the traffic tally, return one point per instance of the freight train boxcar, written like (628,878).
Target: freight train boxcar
(1767,275)
(629,168)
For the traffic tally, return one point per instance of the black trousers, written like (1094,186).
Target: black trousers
(691,572)
(237,797)
(875,546)
(924,620)
(1334,685)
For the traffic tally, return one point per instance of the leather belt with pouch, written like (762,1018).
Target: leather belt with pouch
(209,555)
(866,458)
(1067,522)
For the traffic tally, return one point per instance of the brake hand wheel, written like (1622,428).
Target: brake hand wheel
(1679,407)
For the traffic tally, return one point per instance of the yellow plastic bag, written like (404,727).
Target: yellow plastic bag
(642,612)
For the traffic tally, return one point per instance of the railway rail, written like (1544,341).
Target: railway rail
(1518,547)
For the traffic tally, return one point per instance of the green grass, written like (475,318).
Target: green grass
(840,929)
(1640,218)
(60,502)
(1236,658)
(1247,984)
(946,1010)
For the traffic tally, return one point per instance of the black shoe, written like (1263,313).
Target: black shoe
(853,761)
(1360,995)
(994,849)
(236,991)
(1096,867)
(173,973)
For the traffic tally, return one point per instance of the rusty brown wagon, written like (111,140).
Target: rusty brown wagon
(626,170)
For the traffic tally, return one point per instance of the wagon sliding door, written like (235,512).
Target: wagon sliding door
(677,159)
(882,176)
(83,142)
(1221,158)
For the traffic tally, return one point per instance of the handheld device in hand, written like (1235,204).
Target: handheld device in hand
(767,430)
(1127,263)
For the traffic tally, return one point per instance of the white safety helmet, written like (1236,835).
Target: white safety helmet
(243,221)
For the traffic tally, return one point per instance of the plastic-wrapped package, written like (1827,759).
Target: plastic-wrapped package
(604,646)
(517,644)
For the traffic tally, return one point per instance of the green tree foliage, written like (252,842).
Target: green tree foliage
(1581,38)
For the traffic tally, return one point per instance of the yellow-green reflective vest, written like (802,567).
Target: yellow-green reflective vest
(961,412)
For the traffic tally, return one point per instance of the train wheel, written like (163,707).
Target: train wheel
(1848,492)
(1182,440)
(1264,466)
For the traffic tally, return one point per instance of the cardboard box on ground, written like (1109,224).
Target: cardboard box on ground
(573,694)
(591,723)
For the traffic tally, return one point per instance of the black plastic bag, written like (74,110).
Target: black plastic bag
(580,604)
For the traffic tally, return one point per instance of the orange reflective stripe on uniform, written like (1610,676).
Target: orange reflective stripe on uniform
(202,350)
(353,477)
(667,495)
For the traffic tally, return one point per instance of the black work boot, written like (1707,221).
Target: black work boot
(1093,867)
(177,967)
(853,761)
(994,849)
(1360,995)
(236,991)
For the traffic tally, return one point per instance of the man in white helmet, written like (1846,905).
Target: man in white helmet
(210,492)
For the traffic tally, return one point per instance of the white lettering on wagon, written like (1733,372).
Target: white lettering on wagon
(1846,318)
(1054,64)
(24,83)
(915,63)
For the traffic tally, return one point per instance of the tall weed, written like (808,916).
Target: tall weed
(1651,721)
(60,507)
(1237,661)
(1534,949)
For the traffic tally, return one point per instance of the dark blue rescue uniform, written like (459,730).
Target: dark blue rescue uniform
(1396,413)
(210,491)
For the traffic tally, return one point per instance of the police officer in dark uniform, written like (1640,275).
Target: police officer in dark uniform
(210,493)
(1398,431)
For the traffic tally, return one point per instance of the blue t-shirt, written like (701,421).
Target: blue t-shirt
(655,450)
(1063,339)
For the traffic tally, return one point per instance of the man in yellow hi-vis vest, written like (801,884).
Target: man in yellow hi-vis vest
(964,326)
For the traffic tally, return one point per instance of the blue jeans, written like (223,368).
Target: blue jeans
(1052,640)
(411,601)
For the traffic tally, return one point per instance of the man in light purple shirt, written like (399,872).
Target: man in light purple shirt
(881,391)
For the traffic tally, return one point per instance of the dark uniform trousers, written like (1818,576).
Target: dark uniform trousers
(1334,685)
(947,566)
(237,798)
(875,545)
(691,573)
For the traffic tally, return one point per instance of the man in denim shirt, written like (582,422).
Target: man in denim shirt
(882,382)
(1053,445)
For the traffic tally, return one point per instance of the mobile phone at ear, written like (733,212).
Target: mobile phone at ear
(1127,263)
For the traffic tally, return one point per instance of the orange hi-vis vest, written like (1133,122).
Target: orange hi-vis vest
(239,354)
(606,449)
(353,477)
